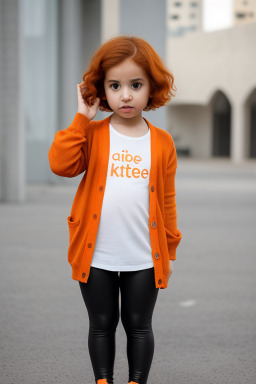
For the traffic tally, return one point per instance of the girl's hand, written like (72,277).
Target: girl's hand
(171,268)
(84,108)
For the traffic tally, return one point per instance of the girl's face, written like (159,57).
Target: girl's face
(127,89)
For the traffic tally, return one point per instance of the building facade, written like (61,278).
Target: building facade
(214,111)
(244,11)
(183,17)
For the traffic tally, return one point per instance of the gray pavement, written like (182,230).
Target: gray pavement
(204,322)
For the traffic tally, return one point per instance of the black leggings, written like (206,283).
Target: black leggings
(138,298)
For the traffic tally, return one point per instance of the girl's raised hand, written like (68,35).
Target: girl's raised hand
(84,108)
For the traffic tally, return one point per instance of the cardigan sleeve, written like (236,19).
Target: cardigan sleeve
(173,234)
(68,152)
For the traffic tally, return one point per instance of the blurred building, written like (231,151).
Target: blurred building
(214,111)
(244,11)
(182,17)
(46,46)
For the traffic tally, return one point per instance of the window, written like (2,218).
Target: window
(177,4)
(240,15)
(192,15)
(194,4)
(174,16)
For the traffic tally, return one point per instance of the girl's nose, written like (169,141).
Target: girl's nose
(126,95)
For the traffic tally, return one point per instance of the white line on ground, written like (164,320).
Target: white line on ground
(188,303)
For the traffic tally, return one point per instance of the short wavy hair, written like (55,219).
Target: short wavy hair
(115,51)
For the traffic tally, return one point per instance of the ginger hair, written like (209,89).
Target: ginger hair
(115,51)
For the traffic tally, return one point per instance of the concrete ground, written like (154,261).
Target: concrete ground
(205,321)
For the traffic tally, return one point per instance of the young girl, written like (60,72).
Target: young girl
(123,223)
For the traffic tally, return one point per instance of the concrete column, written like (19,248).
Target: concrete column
(109,19)
(12,135)
(238,129)
(42,88)
(70,58)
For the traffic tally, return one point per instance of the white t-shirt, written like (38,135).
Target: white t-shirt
(123,239)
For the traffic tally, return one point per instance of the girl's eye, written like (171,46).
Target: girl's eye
(136,85)
(114,86)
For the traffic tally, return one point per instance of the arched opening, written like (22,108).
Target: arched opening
(221,125)
(251,111)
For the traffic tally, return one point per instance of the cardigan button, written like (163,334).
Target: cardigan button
(100,188)
(159,281)
(152,189)
(83,275)
(95,216)
(89,245)
(153,224)
(156,256)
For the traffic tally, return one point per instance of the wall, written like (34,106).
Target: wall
(190,127)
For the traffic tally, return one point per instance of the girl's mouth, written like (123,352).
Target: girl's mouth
(126,108)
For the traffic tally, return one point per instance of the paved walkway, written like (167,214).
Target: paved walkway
(204,322)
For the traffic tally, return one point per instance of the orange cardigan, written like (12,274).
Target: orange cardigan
(84,147)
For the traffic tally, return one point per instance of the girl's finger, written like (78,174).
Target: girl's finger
(79,92)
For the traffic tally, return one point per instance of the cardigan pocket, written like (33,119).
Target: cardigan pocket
(173,236)
(72,222)
(173,240)
(73,238)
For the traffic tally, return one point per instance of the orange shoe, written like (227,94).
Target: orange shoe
(133,382)
(102,381)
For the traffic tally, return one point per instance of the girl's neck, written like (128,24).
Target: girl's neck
(135,122)
(134,127)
